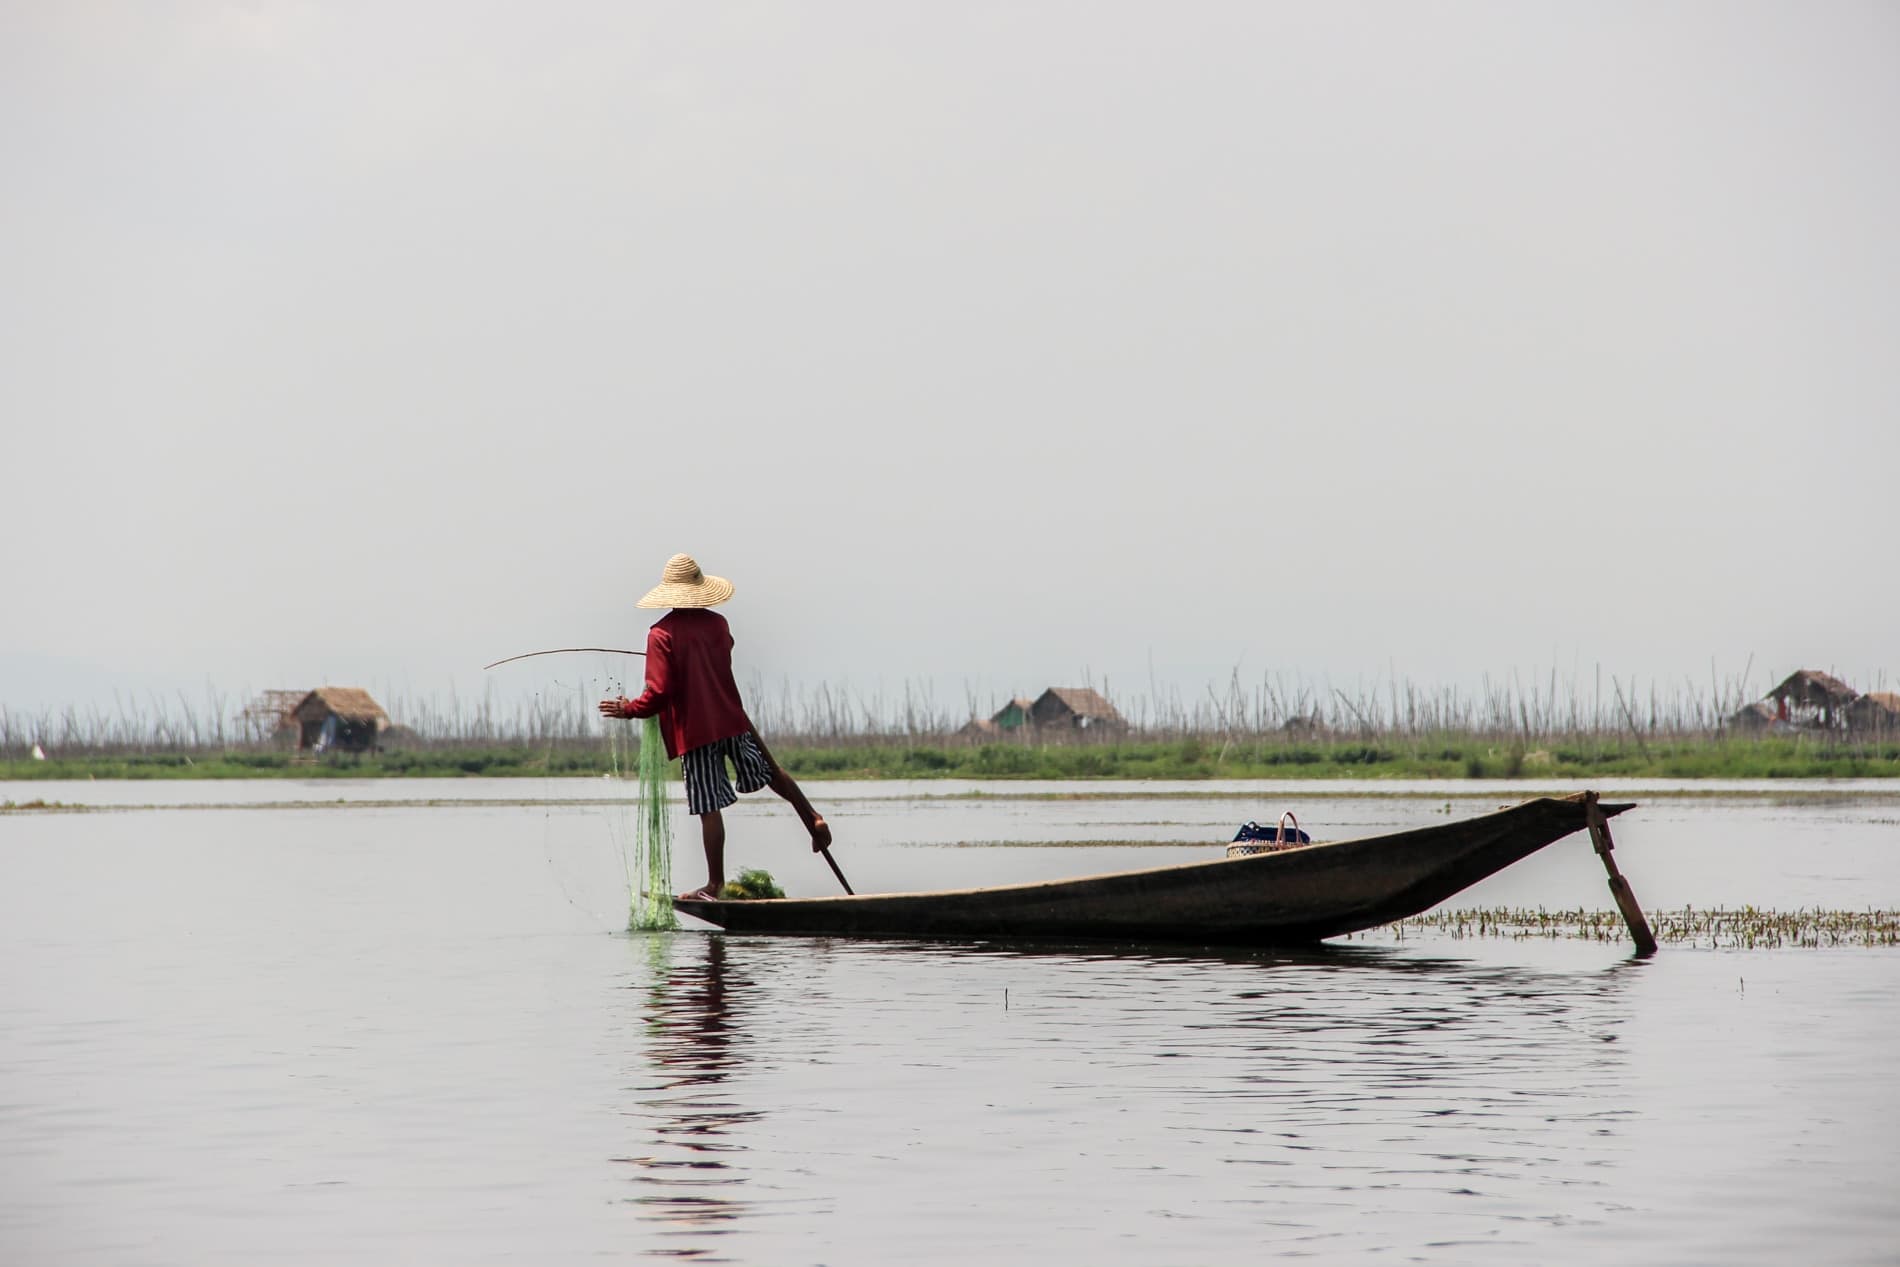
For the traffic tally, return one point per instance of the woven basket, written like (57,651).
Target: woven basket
(1279,843)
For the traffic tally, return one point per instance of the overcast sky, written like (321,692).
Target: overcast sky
(976,343)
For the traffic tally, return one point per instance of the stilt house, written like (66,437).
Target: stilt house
(1075,708)
(339,719)
(1875,713)
(1057,711)
(1011,715)
(1813,698)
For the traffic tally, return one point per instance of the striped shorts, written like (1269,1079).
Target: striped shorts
(704,768)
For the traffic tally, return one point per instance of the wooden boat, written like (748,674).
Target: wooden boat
(1285,898)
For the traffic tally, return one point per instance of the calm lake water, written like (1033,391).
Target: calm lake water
(402,1030)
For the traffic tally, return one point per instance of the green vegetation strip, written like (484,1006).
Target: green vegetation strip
(1449,756)
(1724,929)
(752,885)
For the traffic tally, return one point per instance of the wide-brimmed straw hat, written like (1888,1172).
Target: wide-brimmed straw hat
(684,585)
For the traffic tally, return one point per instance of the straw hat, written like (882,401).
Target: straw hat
(684,585)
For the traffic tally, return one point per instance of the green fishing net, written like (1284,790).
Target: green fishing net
(652,895)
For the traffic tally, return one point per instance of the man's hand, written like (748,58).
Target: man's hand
(614,708)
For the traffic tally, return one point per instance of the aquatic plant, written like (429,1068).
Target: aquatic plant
(752,884)
(652,896)
(1719,928)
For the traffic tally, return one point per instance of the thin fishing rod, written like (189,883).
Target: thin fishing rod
(526,655)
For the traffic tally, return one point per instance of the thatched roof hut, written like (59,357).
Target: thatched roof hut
(1082,707)
(1011,715)
(1810,695)
(1811,688)
(1877,711)
(344,718)
(1759,715)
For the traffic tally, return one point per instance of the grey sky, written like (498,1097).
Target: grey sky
(974,342)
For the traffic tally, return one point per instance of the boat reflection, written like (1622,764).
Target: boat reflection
(688,1181)
(1333,1070)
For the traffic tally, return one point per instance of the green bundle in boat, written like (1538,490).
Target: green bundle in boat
(752,883)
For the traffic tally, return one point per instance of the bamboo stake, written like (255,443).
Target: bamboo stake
(1619,887)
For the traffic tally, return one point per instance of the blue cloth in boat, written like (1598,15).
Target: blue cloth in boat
(1251,830)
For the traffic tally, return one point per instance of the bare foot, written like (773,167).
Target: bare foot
(704,893)
(820,834)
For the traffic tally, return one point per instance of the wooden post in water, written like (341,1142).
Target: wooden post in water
(1619,887)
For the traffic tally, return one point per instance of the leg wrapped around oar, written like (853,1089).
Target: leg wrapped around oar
(1619,887)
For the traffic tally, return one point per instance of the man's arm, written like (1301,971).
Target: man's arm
(659,677)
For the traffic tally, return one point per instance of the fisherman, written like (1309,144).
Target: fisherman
(689,687)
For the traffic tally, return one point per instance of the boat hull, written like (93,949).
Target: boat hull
(1291,897)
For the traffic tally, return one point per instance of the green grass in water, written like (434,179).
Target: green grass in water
(1720,928)
(752,883)
(653,837)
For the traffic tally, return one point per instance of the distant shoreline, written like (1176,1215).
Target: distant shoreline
(1440,757)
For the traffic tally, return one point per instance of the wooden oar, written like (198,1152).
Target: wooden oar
(803,806)
(849,891)
(1619,887)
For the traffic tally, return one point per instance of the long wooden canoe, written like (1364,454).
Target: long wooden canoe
(1287,898)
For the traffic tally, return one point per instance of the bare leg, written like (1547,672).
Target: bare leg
(712,829)
(788,788)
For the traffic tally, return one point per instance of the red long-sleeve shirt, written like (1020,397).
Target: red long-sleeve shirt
(689,680)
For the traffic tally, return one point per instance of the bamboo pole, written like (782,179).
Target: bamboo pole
(528,655)
(1619,887)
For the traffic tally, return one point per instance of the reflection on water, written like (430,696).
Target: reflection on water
(686,1179)
(1245,1094)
